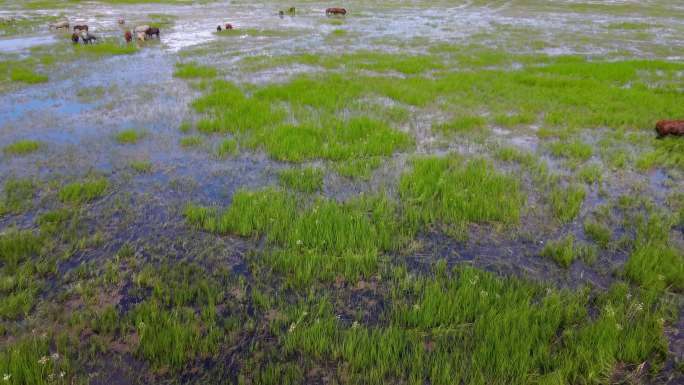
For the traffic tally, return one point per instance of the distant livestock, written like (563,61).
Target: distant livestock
(121,21)
(152,31)
(228,26)
(335,11)
(128,36)
(88,37)
(218,28)
(291,11)
(140,36)
(81,28)
(74,37)
(670,127)
(141,28)
(59,25)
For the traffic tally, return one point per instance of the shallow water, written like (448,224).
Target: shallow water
(19,44)
(139,91)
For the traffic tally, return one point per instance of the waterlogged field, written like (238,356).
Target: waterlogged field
(424,192)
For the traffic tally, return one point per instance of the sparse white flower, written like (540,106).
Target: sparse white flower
(55,356)
(639,306)
(292,327)
(62,374)
(6,377)
(299,242)
(43,360)
(355,325)
(483,293)
(618,326)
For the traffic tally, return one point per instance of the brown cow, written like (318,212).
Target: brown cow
(335,11)
(228,26)
(81,28)
(670,127)
(128,36)
(152,31)
(87,37)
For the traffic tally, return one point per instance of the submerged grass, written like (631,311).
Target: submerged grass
(17,195)
(129,136)
(469,326)
(315,241)
(194,70)
(22,147)
(225,148)
(566,201)
(261,124)
(668,152)
(307,179)
(452,191)
(83,192)
(105,48)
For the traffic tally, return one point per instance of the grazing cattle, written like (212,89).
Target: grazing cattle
(141,28)
(335,11)
(121,21)
(59,25)
(128,36)
(74,38)
(88,37)
(228,26)
(218,28)
(670,127)
(140,36)
(80,28)
(152,31)
(290,11)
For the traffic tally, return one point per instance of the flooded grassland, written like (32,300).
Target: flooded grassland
(417,192)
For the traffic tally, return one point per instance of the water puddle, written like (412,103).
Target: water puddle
(20,44)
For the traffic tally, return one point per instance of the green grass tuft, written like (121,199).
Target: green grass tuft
(129,136)
(27,75)
(452,191)
(566,201)
(83,192)
(225,148)
(194,70)
(141,166)
(191,141)
(308,179)
(17,195)
(22,147)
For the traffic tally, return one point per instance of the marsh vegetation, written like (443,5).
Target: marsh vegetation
(414,193)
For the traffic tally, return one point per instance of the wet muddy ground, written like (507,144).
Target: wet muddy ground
(139,222)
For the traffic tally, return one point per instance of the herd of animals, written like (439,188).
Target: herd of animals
(145,32)
(81,32)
